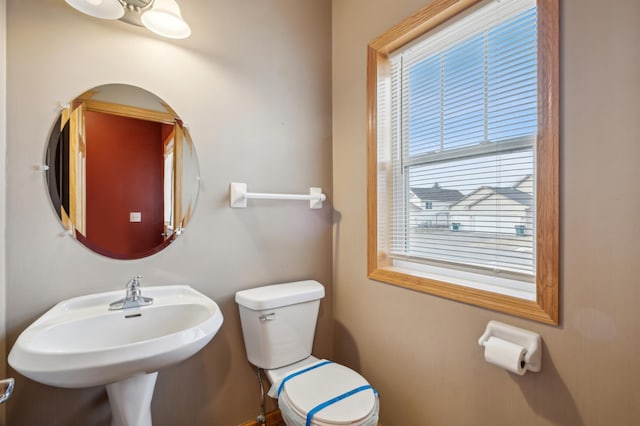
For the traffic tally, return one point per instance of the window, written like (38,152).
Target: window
(463,154)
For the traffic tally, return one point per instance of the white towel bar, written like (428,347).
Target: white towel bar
(238,196)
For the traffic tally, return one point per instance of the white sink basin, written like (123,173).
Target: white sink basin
(80,342)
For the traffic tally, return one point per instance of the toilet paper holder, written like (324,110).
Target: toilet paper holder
(528,339)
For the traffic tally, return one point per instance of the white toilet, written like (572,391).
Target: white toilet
(278,324)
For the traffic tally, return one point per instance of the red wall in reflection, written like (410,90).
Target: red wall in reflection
(124,173)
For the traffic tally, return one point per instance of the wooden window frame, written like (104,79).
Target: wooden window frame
(545,308)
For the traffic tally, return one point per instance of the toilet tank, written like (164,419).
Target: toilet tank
(279,322)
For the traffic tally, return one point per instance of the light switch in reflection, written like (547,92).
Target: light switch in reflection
(135,217)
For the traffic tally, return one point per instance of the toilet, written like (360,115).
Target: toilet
(278,325)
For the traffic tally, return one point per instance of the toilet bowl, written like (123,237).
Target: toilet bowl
(278,325)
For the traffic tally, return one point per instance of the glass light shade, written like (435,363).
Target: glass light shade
(165,19)
(103,9)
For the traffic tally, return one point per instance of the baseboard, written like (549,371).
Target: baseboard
(274,418)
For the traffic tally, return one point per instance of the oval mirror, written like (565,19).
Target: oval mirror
(122,171)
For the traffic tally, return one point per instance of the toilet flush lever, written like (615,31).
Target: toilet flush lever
(268,317)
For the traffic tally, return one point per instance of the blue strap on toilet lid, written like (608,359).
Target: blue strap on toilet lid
(325,404)
(297,373)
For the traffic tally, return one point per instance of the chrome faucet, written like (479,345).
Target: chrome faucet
(133,297)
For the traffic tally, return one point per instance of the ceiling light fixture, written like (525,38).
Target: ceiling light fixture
(165,19)
(103,9)
(162,17)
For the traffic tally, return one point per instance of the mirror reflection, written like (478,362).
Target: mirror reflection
(122,171)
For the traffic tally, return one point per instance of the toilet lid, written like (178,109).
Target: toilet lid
(322,384)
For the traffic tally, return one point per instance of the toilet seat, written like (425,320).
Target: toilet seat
(320,383)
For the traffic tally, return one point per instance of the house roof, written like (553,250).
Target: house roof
(516,195)
(521,181)
(511,193)
(436,193)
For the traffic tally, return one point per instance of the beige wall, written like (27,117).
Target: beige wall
(420,351)
(253,82)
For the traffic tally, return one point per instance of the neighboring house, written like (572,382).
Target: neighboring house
(430,206)
(505,210)
(487,209)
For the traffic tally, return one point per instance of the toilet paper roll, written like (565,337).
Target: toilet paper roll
(504,354)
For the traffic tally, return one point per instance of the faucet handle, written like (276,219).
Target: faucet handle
(133,288)
(134,282)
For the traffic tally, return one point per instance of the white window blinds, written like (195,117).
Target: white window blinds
(462,125)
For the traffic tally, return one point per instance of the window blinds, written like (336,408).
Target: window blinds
(463,124)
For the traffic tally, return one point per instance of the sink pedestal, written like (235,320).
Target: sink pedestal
(130,400)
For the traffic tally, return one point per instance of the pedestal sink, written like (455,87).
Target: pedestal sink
(80,343)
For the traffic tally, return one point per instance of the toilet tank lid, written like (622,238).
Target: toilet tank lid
(278,295)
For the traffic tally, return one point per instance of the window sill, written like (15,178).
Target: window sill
(473,296)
